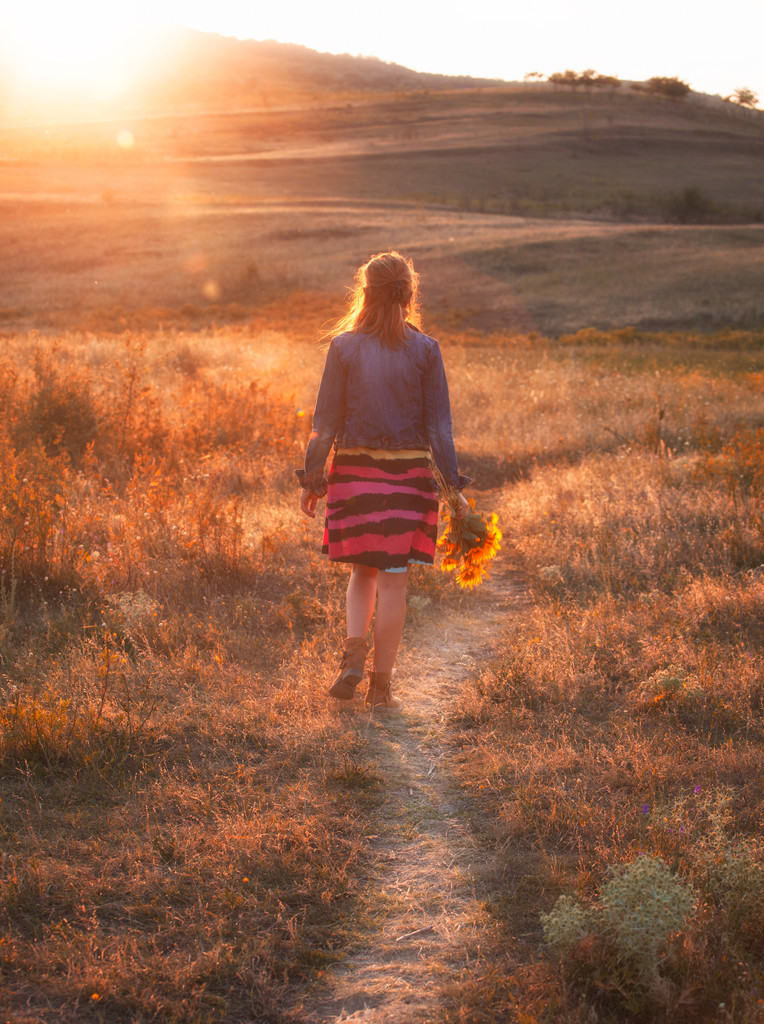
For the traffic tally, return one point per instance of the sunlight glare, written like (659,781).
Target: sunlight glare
(89,51)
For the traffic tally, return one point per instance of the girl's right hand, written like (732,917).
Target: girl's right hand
(308,501)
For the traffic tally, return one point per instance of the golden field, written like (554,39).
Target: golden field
(187,828)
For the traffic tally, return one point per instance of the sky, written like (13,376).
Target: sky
(715,47)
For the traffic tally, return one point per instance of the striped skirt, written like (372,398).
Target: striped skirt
(381,509)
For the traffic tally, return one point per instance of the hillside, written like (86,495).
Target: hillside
(187,70)
(534,208)
(210,68)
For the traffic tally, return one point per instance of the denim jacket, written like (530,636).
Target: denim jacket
(376,397)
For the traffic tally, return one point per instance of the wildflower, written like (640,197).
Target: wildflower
(469,543)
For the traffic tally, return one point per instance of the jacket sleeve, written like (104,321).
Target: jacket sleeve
(437,418)
(328,419)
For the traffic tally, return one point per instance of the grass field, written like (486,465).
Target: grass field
(186,827)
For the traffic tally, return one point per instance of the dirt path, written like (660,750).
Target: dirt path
(423,902)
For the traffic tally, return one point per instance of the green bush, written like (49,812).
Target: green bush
(620,940)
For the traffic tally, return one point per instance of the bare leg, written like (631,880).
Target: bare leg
(359,602)
(391,615)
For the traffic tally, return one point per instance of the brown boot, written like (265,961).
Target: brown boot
(351,669)
(379,695)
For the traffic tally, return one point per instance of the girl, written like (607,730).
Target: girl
(383,403)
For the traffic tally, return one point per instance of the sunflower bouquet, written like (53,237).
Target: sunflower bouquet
(468,544)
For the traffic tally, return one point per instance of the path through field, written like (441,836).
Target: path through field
(425,890)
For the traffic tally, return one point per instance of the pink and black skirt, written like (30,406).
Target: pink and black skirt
(381,509)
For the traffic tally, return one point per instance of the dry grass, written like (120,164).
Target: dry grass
(650,278)
(624,717)
(184,824)
(177,845)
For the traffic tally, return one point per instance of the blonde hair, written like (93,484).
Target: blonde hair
(384,301)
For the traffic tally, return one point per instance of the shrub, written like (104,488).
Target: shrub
(623,937)
(34,544)
(58,411)
(736,881)
(667,86)
(671,686)
(588,78)
(690,206)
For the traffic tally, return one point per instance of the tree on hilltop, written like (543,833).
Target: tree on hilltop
(663,86)
(604,82)
(589,78)
(568,77)
(744,98)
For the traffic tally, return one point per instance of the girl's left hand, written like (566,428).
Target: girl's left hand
(462,509)
(308,501)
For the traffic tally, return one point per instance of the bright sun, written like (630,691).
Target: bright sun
(86,52)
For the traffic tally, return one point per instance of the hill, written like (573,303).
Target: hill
(187,70)
(533,207)
(209,69)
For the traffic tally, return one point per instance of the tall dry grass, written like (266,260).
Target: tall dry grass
(623,717)
(181,817)
(185,825)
